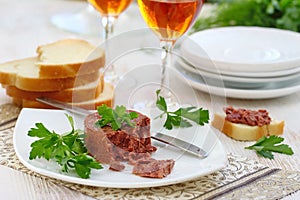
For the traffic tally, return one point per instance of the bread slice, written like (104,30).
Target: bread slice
(24,74)
(68,58)
(245,132)
(77,94)
(106,97)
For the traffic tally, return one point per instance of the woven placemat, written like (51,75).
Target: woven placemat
(8,115)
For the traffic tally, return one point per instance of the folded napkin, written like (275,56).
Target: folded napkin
(8,115)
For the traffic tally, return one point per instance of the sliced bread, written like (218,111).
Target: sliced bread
(24,74)
(68,58)
(106,97)
(77,94)
(245,132)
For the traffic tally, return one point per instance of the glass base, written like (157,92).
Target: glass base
(142,96)
(86,21)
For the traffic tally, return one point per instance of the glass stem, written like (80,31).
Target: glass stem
(166,58)
(108,23)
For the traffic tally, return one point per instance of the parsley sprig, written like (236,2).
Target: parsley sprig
(182,116)
(68,149)
(266,145)
(115,117)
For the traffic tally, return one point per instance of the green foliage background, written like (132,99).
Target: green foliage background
(283,14)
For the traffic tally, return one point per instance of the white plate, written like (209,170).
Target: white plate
(243,49)
(271,90)
(187,167)
(235,81)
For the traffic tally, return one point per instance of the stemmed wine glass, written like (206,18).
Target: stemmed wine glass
(169,19)
(109,11)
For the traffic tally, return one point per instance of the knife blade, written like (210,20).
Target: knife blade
(175,142)
(64,106)
(180,144)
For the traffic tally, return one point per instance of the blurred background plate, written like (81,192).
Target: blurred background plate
(243,49)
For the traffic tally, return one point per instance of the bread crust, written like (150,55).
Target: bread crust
(244,132)
(50,84)
(76,94)
(106,97)
(11,74)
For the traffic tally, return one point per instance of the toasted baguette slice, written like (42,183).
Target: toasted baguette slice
(68,58)
(24,74)
(77,94)
(244,132)
(106,97)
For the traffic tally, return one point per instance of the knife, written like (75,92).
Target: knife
(175,142)
(64,106)
(180,144)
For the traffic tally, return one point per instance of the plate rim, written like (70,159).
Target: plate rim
(239,93)
(192,69)
(89,182)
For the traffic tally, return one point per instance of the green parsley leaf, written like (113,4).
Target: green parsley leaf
(266,145)
(182,116)
(68,149)
(40,131)
(161,102)
(115,117)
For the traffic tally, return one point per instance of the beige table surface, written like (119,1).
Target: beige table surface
(25,24)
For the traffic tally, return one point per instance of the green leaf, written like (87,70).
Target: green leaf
(272,140)
(182,116)
(71,121)
(198,116)
(82,171)
(133,115)
(43,147)
(67,149)
(168,123)
(161,102)
(84,164)
(78,146)
(266,145)
(115,117)
(266,154)
(69,139)
(115,125)
(260,141)
(40,131)
(61,151)
(282,148)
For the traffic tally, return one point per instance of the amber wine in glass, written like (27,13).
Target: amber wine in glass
(110,11)
(169,19)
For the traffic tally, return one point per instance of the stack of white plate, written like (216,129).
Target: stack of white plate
(242,62)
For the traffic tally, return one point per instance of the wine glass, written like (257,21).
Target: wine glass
(169,19)
(109,11)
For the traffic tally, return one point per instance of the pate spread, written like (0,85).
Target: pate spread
(248,117)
